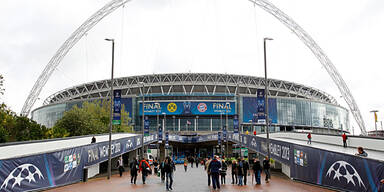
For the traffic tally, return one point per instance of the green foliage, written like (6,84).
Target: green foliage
(91,118)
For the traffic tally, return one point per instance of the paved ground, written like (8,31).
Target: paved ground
(194,180)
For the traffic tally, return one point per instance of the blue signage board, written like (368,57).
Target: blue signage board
(235,124)
(166,139)
(188,108)
(146,125)
(219,138)
(260,99)
(224,133)
(250,113)
(116,107)
(160,138)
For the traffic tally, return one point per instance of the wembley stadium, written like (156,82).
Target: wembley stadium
(204,102)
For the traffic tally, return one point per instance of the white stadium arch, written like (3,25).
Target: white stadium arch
(264,4)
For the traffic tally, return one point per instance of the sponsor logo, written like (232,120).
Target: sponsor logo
(202,107)
(172,107)
(342,169)
(21,173)
(73,160)
(253,143)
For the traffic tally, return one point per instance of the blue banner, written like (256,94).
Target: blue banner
(166,139)
(146,126)
(219,138)
(116,107)
(160,137)
(235,124)
(260,115)
(250,113)
(188,108)
(224,133)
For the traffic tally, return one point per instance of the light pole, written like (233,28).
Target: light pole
(374,112)
(111,113)
(142,127)
(266,94)
(174,123)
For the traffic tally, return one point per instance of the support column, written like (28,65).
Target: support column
(162,152)
(211,124)
(179,124)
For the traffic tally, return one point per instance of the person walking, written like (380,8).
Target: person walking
(134,166)
(120,164)
(214,169)
(197,162)
(192,160)
(361,152)
(234,172)
(257,171)
(206,168)
(245,170)
(309,136)
(162,171)
(240,174)
(169,169)
(144,168)
(266,167)
(155,166)
(93,140)
(223,171)
(344,136)
(185,164)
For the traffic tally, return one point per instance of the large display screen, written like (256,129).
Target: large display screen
(188,108)
(250,109)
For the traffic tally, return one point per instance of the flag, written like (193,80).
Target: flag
(375,116)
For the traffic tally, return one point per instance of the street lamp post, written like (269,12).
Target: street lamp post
(266,94)
(142,127)
(374,112)
(111,113)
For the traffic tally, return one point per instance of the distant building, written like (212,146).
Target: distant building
(378,133)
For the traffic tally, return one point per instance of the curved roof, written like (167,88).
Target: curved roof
(189,84)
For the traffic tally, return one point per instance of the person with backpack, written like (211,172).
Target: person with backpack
(223,171)
(309,136)
(214,170)
(134,166)
(240,174)
(144,168)
(169,169)
(266,167)
(257,171)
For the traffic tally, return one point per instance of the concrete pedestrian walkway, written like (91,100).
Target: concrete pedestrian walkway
(194,180)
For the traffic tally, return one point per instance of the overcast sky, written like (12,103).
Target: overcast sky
(215,36)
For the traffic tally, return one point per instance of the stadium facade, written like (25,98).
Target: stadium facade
(196,102)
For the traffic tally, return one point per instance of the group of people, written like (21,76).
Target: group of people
(217,169)
(192,160)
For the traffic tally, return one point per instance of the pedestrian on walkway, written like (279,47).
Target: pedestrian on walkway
(206,168)
(344,136)
(245,170)
(192,160)
(169,169)
(309,136)
(223,171)
(214,169)
(162,171)
(240,174)
(144,168)
(155,166)
(266,167)
(234,172)
(257,171)
(120,164)
(93,140)
(134,166)
(185,164)
(197,162)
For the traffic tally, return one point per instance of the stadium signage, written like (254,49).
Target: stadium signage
(188,108)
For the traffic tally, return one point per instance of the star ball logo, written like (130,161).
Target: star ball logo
(202,107)
(342,169)
(172,107)
(71,161)
(21,173)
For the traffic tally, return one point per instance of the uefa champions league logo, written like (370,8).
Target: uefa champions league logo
(342,169)
(17,174)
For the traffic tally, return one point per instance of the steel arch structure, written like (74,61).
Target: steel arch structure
(264,4)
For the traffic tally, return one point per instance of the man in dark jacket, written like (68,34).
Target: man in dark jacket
(169,167)
(134,166)
(240,170)
(257,171)
(266,167)
(245,170)
(234,172)
(214,170)
(162,171)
